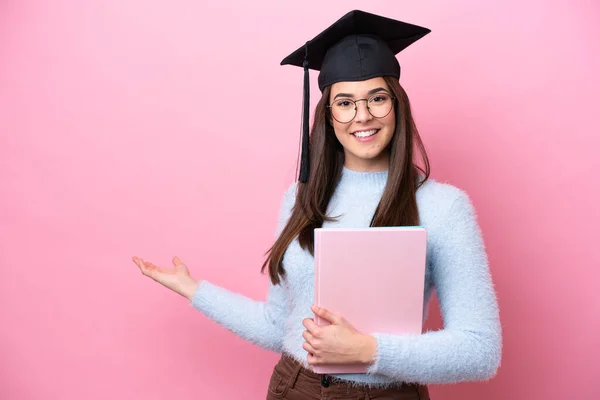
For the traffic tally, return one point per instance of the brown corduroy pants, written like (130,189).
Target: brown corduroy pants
(291,381)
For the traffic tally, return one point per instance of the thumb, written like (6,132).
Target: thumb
(179,265)
(177,262)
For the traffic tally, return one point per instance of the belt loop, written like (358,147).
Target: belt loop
(294,376)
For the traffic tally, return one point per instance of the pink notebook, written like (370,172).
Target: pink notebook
(373,277)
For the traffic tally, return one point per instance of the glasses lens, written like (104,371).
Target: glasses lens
(380,105)
(343,110)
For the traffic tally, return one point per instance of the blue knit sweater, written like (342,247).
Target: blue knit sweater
(467,348)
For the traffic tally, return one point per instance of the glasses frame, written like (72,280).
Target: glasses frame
(393,98)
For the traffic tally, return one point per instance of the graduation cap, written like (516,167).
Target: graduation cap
(358,46)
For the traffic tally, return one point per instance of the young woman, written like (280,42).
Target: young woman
(360,172)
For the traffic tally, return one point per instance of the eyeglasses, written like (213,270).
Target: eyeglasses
(344,110)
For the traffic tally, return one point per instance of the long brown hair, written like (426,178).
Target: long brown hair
(398,205)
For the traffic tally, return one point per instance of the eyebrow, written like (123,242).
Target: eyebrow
(370,92)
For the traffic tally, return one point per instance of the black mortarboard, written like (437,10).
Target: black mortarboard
(358,46)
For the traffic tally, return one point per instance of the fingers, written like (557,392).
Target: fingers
(311,343)
(312,327)
(151,267)
(306,335)
(309,348)
(145,264)
(141,264)
(326,314)
(146,267)
(312,359)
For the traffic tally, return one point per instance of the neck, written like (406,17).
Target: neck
(366,168)
(377,164)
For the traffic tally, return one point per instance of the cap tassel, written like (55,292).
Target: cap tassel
(304,159)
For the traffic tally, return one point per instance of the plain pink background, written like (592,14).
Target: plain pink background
(126,128)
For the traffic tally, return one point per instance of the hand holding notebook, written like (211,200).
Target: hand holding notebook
(336,340)
(373,278)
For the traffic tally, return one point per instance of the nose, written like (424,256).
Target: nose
(362,112)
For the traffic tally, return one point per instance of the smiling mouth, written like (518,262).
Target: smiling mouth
(365,134)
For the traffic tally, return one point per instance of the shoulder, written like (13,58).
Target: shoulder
(288,199)
(440,201)
(289,196)
(438,194)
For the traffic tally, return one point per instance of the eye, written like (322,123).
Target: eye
(380,98)
(343,103)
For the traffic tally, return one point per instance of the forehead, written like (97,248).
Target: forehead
(358,88)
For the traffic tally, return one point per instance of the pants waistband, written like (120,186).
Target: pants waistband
(295,370)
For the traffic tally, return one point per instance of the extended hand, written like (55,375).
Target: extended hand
(338,343)
(178,278)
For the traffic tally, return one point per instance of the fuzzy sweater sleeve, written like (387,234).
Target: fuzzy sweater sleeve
(259,322)
(469,346)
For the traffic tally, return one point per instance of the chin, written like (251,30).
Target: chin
(366,158)
(374,152)
(366,153)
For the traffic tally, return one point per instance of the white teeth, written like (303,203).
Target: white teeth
(364,134)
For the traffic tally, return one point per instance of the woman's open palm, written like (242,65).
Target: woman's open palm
(177,278)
